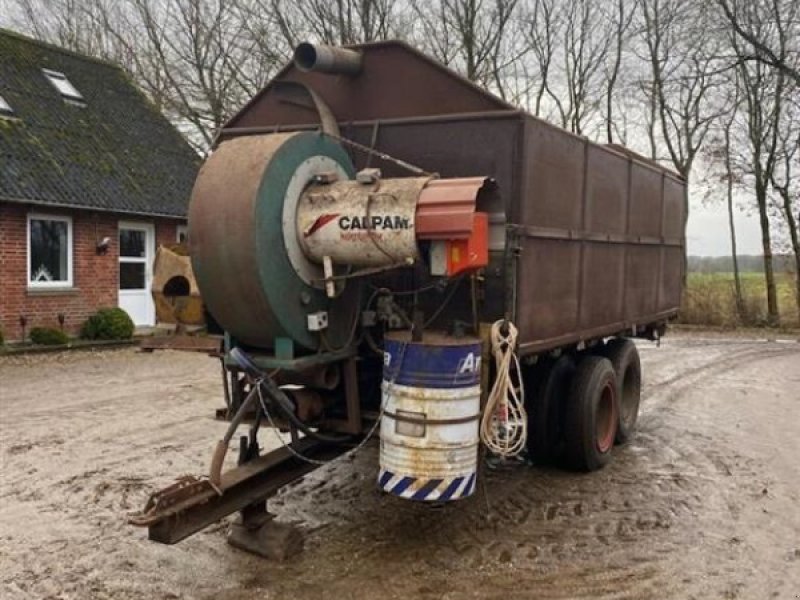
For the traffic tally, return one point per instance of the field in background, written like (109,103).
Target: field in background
(710,300)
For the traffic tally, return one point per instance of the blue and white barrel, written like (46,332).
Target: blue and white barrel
(429,430)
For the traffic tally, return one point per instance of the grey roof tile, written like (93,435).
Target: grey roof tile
(116,153)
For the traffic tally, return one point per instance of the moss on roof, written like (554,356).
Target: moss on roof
(115,152)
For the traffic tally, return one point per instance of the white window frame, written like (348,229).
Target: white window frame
(50,284)
(63,85)
(182,228)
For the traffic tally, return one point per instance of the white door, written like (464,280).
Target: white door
(137,248)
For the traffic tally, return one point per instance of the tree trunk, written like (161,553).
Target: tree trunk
(794,236)
(737,282)
(773,316)
(797,281)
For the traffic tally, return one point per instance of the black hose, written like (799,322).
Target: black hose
(278,397)
(239,416)
(286,407)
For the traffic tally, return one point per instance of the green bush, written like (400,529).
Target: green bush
(108,324)
(47,336)
(2,339)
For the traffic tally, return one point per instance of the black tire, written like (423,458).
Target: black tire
(546,388)
(624,358)
(591,418)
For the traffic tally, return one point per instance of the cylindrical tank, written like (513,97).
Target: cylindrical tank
(360,224)
(253,275)
(429,431)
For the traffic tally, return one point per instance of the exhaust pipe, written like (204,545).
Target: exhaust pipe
(327,59)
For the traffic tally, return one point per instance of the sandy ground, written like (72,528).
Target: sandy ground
(703,503)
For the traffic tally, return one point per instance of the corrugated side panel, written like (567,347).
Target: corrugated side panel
(601,238)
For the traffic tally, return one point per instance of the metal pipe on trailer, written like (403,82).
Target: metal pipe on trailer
(327,59)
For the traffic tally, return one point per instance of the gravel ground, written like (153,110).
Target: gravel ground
(703,503)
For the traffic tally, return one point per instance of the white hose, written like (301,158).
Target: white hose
(504,426)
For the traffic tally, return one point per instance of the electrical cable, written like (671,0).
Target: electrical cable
(419,290)
(363,442)
(444,303)
(372,344)
(265,384)
(504,425)
(473,297)
(354,326)
(381,155)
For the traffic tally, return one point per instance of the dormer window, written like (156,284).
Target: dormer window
(63,85)
(5,107)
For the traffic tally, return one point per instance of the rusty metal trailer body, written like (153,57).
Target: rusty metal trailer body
(587,240)
(585,243)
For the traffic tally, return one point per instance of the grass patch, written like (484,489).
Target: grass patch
(710,299)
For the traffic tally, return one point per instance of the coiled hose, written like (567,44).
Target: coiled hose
(504,425)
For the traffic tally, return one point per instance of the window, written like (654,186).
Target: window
(49,251)
(5,107)
(132,258)
(63,85)
(182,234)
(131,243)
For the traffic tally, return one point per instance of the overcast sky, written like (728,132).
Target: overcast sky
(707,232)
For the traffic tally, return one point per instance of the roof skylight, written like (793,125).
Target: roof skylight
(63,85)
(5,107)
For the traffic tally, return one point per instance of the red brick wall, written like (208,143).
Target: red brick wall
(95,277)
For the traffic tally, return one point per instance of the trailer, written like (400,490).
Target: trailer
(395,253)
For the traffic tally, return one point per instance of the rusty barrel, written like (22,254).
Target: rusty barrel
(429,430)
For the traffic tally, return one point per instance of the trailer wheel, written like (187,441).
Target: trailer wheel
(591,419)
(625,358)
(547,387)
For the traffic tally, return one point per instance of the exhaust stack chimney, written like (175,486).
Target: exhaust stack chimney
(327,59)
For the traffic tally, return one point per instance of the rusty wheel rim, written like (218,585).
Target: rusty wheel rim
(605,418)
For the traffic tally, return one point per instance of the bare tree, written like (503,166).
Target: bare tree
(767,31)
(730,177)
(543,26)
(621,20)
(576,73)
(200,51)
(338,22)
(763,90)
(515,77)
(73,24)
(648,97)
(586,45)
(785,179)
(684,74)
(721,154)
(467,35)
